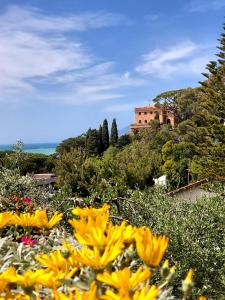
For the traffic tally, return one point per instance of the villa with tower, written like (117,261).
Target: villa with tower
(144,115)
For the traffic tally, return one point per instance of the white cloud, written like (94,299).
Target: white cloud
(205,5)
(184,58)
(39,60)
(98,83)
(32,19)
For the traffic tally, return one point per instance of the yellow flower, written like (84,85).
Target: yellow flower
(90,211)
(100,236)
(143,294)
(29,278)
(110,295)
(5,217)
(58,264)
(42,219)
(89,295)
(146,294)
(5,278)
(85,225)
(54,261)
(125,280)
(38,219)
(53,280)
(97,259)
(202,298)
(90,218)
(129,234)
(150,247)
(24,219)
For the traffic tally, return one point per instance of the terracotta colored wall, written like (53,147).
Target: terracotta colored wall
(144,116)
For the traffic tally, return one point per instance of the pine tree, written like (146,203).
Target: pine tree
(214,86)
(105,135)
(114,133)
(210,162)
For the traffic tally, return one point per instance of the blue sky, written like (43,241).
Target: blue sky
(66,65)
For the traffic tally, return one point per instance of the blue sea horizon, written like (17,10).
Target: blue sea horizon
(40,148)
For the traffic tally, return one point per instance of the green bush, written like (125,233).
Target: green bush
(196,232)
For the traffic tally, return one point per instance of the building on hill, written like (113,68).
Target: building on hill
(192,191)
(144,115)
(45,179)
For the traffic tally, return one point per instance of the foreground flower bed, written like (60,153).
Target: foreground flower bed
(101,260)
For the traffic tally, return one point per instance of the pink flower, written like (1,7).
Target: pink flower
(27,200)
(27,240)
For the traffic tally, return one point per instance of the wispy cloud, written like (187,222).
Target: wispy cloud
(205,5)
(39,59)
(97,83)
(33,19)
(122,107)
(184,58)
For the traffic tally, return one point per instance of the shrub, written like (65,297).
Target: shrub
(195,231)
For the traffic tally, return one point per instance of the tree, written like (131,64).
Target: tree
(114,133)
(69,171)
(100,146)
(123,140)
(71,143)
(105,135)
(210,161)
(92,142)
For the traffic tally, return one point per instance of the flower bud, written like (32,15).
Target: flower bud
(171,274)
(165,269)
(187,283)
(65,253)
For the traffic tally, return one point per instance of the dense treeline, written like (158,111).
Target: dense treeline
(28,163)
(193,150)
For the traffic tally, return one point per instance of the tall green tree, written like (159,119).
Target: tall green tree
(100,146)
(92,142)
(211,159)
(114,133)
(105,135)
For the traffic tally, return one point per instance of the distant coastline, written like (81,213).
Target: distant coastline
(41,148)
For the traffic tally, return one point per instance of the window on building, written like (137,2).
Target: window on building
(146,121)
(139,121)
(151,112)
(139,113)
(145,112)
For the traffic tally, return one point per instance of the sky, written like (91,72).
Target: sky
(66,65)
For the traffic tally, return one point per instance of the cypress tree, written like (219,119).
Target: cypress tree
(114,133)
(100,146)
(105,135)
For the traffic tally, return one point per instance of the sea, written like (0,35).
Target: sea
(41,148)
